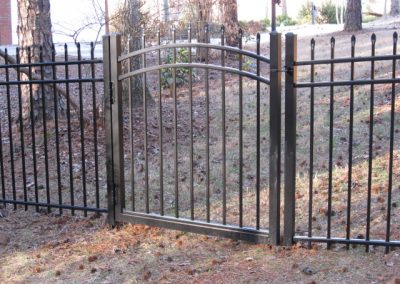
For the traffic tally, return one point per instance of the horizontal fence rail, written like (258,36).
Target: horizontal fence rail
(359,186)
(51,131)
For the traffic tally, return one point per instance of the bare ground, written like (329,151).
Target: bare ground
(51,249)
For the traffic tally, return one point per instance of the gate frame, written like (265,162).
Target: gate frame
(290,138)
(115,160)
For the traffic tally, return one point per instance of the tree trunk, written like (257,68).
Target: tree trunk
(342,12)
(132,21)
(136,82)
(385,8)
(284,7)
(339,11)
(353,17)
(394,8)
(34,31)
(166,11)
(106,17)
(230,21)
(203,18)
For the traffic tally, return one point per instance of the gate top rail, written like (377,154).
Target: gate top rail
(195,65)
(193,44)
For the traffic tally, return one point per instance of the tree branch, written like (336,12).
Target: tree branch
(34,77)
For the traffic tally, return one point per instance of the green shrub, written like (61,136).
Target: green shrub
(327,13)
(182,56)
(285,20)
(265,23)
(368,18)
(304,16)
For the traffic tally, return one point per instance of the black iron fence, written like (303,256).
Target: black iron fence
(52,137)
(196,144)
(354,198)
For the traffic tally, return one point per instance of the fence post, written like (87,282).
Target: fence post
(275,137)
(108,128)
(117,124)
(114,126)
(290,138)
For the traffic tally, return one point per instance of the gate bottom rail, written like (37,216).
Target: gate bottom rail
(199,227)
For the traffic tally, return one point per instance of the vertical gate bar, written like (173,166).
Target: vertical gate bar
(146,156)
(32,118)
(54,76)
(240,131)
(46,158)
(311,172)
(258,138)
(207,131)
(160,125)
(392,120)
(351,126)
(82,128)
(191,125)
(223,123)
(21,130)
(331,106)
(131,120)
(71,173)
(95,144)
(290,138)
(175,128)
(10,133)
(371,140)
(117,124)
(275,137)
(108,127)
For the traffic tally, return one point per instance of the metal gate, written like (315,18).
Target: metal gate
(193,156)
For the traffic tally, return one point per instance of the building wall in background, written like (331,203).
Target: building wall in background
(5,22)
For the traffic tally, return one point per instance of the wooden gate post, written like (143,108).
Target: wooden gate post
(275,137)
(290,138)
(114,126)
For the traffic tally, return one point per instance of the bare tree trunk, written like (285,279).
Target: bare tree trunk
(230,21)
(353,17)
(284,7)
(394,8)
(342,12)
(339,11)
(34,30)
(130,22)
(106,17)
(166,11)
(203,18)
(385,8)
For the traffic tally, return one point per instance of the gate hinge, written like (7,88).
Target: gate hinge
(112,99)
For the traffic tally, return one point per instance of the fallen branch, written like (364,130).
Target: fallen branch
(74,105)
